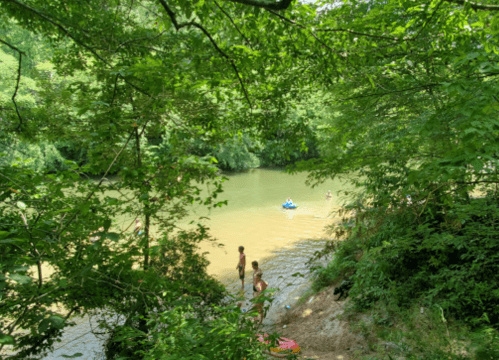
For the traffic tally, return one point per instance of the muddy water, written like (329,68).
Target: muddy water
(254,218)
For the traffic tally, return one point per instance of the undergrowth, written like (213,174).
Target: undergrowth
(426,274)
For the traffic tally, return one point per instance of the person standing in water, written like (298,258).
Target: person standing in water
(329,195)
(256,270)
(241,265)
(261,285)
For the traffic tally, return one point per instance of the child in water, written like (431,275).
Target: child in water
(241,265)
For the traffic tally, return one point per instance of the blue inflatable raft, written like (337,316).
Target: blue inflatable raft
(289,206)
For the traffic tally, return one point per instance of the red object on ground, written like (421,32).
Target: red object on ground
(285,345)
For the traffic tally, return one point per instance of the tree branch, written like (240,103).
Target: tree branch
(12,47)
(474,5)
(66,32)
(15,92)
(232,21)
(21,53)
(178,26)
(268,5)
(98,185)
(332,30)
(429,20)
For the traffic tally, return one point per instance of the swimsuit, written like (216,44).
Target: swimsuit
(241,276)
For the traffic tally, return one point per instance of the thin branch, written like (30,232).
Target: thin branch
(359,34)
(178,26)
(311,32)
(66,31)
(98,185)
(234,24)
(21,53)
(12,47)
(475,6)
(419,88)
(331,30)
(59,26)
(268,5)
(15,91)
(429,20)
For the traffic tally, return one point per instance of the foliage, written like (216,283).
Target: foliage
(41,156)
(446,256)
(401,92)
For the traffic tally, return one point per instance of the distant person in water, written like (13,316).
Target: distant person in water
(329,195)
(289,201)
(138,227)
(241,265)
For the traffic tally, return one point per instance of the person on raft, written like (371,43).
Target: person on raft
(289,201)
(241,265)
(261,285)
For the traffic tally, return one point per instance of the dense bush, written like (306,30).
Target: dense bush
(448,255)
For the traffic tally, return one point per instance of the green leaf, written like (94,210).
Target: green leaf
(21,205)
(44,325)
(6,339)
(107,224)
(57,321)
(21,279)
(112,236)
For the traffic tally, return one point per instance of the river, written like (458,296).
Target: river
(279,239)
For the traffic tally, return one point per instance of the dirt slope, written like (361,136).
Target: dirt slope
(317,327)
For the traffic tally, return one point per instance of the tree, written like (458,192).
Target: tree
(123,72)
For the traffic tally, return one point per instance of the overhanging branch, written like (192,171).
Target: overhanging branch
(178,26)
(269,5)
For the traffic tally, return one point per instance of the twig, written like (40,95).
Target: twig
(232,21)
(98,185)
(178,26)
(429,20)
(331,30)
